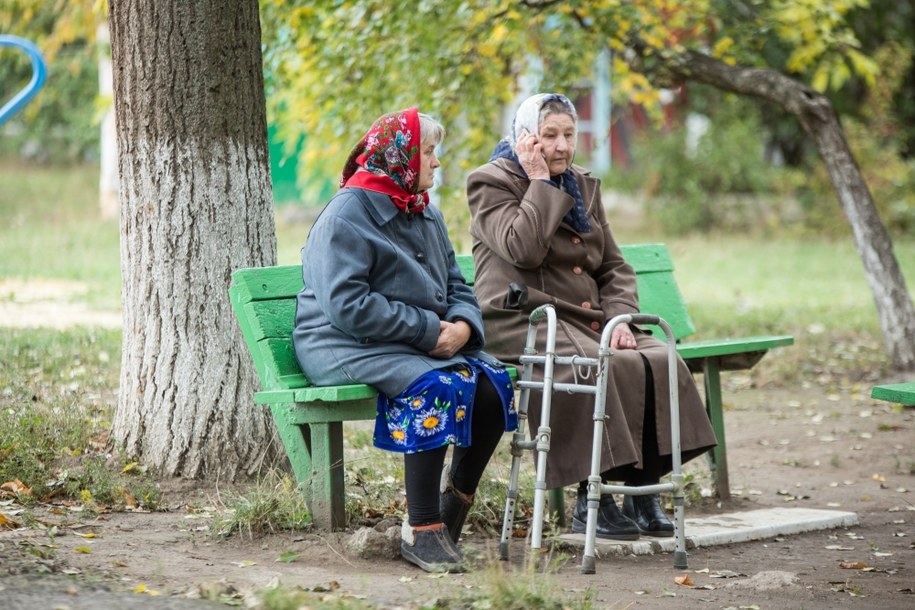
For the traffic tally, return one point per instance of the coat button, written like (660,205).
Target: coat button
(420,257)
(576,270)
(595,325)
(575,239)
(586,305)
(439,296)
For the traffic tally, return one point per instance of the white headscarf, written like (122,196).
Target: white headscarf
(527,117)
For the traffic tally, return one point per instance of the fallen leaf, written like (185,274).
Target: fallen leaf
(83,549)
(129,467)
(725,574)
(247,563)
(853,565)
(17,487)
(141,588)
(839,547)
(7,522)
(86,535)
(684,580)
(287,557)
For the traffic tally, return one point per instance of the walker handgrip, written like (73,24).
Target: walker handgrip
(645,318)
(539,313)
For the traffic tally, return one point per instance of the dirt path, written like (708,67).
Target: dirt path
(802,448)
(817,447)
(50,304)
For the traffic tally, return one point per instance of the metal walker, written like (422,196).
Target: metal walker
(541,442)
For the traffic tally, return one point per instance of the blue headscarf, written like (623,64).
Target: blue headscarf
(527,120)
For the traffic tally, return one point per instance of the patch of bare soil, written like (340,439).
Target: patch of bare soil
(50,304)
(807,447)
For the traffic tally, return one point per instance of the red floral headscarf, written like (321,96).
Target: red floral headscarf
(390,155)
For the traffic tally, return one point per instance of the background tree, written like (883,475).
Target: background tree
(462,61)
(195,205)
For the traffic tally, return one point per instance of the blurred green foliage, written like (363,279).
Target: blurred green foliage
(463,61)
(61,122)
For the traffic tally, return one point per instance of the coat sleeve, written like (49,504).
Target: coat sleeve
(515,219)
(342,289)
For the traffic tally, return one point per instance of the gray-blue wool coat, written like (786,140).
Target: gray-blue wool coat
(377,283)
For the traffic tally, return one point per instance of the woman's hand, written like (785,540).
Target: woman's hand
(622,337)
(531,157)
(452,337)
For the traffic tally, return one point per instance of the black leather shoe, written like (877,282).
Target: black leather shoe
(611,523)
(648,515)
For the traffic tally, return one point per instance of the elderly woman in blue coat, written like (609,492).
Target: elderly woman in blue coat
(385,304)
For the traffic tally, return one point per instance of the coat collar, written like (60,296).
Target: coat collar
(381,208)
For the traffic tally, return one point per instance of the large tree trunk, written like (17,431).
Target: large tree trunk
(818,118)
(195,205)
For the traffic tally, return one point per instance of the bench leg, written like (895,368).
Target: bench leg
(316,454)
(327,484)
(718,458)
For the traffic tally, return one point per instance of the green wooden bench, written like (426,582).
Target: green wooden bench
(900,393)
(309,418)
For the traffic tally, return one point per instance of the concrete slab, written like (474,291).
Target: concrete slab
(727,528)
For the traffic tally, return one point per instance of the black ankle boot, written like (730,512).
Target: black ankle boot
(611,523)
(453,506)
(648,515)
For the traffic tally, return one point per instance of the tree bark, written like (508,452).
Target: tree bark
(817,116)
(195,205)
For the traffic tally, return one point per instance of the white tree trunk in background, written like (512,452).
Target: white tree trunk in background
(196,204)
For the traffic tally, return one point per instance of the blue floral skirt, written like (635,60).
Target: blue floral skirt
(437,408)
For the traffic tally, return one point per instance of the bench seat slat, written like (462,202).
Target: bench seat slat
(901,393)
(724,347)
(319,412)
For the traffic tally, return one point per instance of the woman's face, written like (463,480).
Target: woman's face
(427,164)
(557,142)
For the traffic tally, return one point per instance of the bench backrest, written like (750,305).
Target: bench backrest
(264,302)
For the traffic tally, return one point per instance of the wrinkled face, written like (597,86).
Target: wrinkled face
(427,164)
(557,140)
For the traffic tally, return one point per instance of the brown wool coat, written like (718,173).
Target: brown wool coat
(519,236)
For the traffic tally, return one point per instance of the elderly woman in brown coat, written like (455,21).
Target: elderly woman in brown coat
(538,222)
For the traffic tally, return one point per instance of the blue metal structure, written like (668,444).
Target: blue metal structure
(39,75)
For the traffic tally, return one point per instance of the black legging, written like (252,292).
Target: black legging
(423,470)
